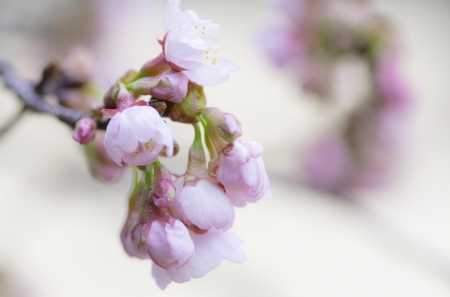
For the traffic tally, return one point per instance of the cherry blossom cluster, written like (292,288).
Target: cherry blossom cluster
(182,222)
(318,37)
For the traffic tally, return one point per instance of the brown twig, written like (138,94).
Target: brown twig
(35,102)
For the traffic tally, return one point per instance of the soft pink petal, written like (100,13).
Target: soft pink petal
(111,145)
(161,277)
(173,15)
(205,205)
(169,246)
(210,249)
(210,75)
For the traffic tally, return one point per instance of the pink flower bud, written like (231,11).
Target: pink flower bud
(137,135)
(227,124)
(171,86)
(132,229)
(164,189)
(168,242)
(124,98)
(84,131)
(100,164)
(203,204)
(240,169)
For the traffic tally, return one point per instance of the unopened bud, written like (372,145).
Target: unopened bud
(84,131)
(164,189)
(111,94)
(227,124)
(124,98)
(169,85)
(154,66)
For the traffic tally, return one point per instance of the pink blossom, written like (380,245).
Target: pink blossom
(240,169)
(390,82)
(136,135)
(210,249)
(168,242)
(202,204)
(329,164)
(190,45)
(84,131)
(281,44)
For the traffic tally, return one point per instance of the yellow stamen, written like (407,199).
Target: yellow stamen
(214,61)
(153,146)
(147,145)
(137,151)
(216,51)
(134,155)
(207,57)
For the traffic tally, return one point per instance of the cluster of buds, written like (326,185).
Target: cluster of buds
(318,37)
(182,222)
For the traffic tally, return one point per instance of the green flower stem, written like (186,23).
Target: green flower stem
(135,178)
(149,176)
(196,152)
(209,143)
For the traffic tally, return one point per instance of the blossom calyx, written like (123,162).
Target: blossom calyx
(84,131)
(227,124)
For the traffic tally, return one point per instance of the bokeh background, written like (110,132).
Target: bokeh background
(59,227)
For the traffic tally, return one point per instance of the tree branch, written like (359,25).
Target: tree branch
(35,102)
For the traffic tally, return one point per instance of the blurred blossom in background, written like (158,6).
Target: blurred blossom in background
(345,96)
(319,37)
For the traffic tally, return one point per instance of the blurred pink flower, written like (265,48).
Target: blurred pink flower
(100,164)
(190,45)
(84,131)
(390,83)
(329,164)
(280,44)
